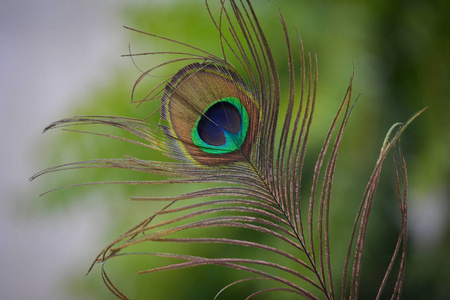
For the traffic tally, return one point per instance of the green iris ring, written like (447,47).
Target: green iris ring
(233,141)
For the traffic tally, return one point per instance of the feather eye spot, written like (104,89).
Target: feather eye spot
(219,118)
(211,113)
(222,128)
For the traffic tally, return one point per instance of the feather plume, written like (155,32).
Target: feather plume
(222,123)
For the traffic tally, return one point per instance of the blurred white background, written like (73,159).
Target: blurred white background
(52,53)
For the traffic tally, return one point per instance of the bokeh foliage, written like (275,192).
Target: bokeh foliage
(399,54)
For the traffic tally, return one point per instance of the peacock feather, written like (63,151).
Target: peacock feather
(225,122)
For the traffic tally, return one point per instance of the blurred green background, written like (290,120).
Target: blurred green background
(399,53)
